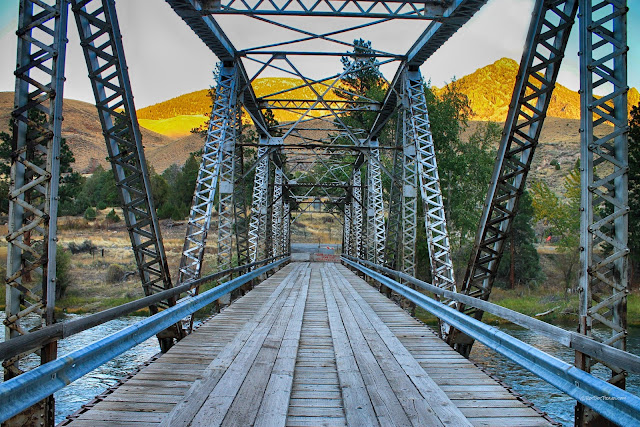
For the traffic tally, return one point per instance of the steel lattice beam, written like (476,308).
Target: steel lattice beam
(258,221)
(34,178)
(409,194)
(546,42)
(226,205)
(375,207)
(604,174)
(357,206)
(429,181)
(394,224)
(405,9)
(218,143)
(277,214)
(102,45)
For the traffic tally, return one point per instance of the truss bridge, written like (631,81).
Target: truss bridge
(328,340)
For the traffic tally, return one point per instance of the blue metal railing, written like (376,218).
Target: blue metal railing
(19,393)
(613,403)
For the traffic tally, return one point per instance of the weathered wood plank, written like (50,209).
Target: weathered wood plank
(436,404)
(358,407)
(186,410)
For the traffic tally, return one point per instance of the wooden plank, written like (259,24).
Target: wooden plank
(357,404)
(246,377)
(274,379)
(416,408)
(186,410)
(435,400)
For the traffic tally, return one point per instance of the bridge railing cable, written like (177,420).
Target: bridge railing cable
(63,330)
(608,400)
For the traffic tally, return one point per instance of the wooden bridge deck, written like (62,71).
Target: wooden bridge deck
(313,345)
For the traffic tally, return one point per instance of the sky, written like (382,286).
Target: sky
(167,63)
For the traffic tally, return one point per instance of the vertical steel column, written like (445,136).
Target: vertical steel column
(226,205)
(276,217)
(427,170)
(241,222)
(547,38)
(220,133)
(286,227)
(393,249)
(34,178)
(346,230)
(102,45)
(375,207)
(258,221)
(409,190)
(604,169)
(358,207)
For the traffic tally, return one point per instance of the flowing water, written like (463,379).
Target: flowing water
(72,397)
(544,396)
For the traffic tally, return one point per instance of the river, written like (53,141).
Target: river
(545,397)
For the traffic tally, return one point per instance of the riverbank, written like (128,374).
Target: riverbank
(104,274)
(542,304)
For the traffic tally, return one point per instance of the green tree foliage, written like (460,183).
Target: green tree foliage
(90,214)
(363,83)
(634,192)
(112,216)
(70,181)
(464,167)
(520,264)
(63,273)
(562,216)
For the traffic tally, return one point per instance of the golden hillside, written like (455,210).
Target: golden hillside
(489,90)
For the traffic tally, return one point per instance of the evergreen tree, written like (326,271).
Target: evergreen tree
(70,181)
(520,264)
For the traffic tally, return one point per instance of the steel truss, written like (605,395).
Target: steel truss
(375,207)
(277,217)
(33,190)
(409,193)
(394,223)
(258,221)
(102,45)
(215,169)
(427,170)
(604,175)
(405,9)
(544,50)
(357,207)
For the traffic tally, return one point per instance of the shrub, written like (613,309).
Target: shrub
(63,277)
(556,164)
(86,246)
(115,273)
(113,216)
(90,214)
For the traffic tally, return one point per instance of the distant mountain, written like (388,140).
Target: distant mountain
(166,126)
(489,90)
(81,127)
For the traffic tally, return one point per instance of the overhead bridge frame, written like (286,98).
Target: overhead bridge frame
(372,173)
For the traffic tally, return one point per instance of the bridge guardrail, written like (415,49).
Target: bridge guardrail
(23,391)
(574,340)
(613,403)
(63,330)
